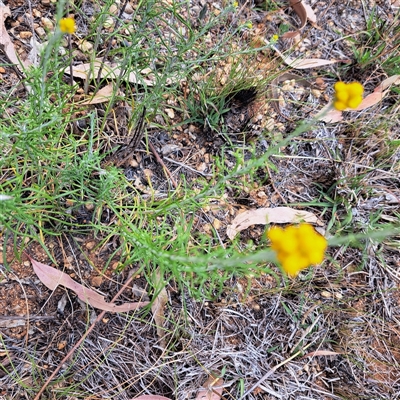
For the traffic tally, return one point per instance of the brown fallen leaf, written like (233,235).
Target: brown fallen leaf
(157,308)
(263,216)
(108,71)
(102,96)
(304,11)
(305,62)
(212,389)
(52,277)
(5,41)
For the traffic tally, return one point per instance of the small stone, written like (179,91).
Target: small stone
(40,32)
(89,206)
(69,202)
(108,23)
(115,265)
(2,70)
(201,167)
(338,296)
(326,294)
(170,112)
(61,345)
(113,9)
(36,13)
(90,245)
(316,93)
(96,281)
(216,223)
(207,228)
(46,2)
(148,173)
(129,9)
(261,195)
(47,23)
(85,46)
(133,163)
(25,35)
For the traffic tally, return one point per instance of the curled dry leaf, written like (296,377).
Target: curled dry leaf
(263,216)
(52,277)
(5,41)
(304,11)
(212,389)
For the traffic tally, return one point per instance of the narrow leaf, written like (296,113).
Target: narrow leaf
(52,277)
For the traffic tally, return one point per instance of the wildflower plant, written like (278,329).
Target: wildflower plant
(297,247)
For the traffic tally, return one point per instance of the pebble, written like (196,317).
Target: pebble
(40,32)
(25,35)
(90,245)
(47,23)
(85,46)
(113,9)
(216,223)
(96,281)
(326,294)
(129,9)
(46,2)
(108,23)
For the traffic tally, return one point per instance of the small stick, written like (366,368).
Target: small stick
(70,353)
(161,162)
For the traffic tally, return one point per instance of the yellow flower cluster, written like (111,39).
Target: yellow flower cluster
(67,25)
(297,247)
(347,95)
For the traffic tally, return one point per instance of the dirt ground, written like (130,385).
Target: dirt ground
(351,313)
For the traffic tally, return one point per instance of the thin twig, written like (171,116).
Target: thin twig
(71,352)
(161,162)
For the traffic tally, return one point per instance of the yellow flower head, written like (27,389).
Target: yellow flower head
(297,247)
(275,38)
(347,95)
(67,25)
